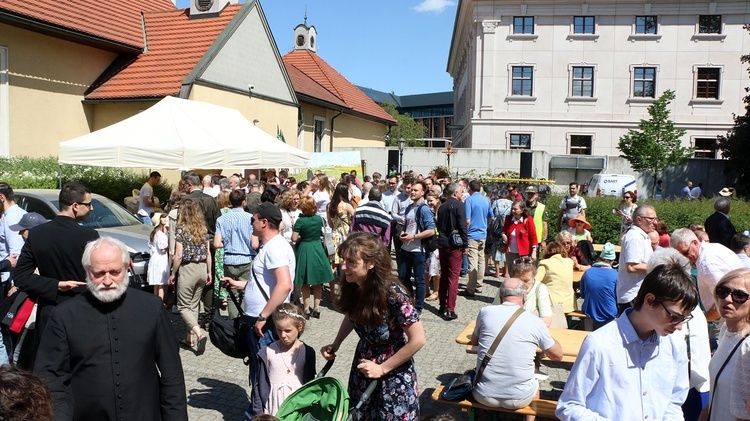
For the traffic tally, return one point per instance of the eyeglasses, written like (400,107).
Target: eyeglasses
(579,222)
(526,260)
(87,204)
(627,197)
(675,319)
(738,296)
(650,219)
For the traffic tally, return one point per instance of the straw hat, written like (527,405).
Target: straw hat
(572,222)
(725,192)
(155,219)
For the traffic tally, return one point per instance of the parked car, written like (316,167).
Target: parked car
(611,185)
(108,218)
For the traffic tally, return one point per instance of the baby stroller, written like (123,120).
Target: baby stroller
(322,399)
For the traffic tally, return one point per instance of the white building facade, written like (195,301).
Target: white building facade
(571,77)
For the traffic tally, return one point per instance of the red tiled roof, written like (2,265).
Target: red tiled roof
(325,76)
(113,20)
(175,45)
(304,85)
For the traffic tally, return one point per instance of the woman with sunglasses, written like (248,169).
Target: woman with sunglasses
(519,234)
(625,209)
(730,364)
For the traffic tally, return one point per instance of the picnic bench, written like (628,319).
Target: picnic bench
(543,408)
(570,340)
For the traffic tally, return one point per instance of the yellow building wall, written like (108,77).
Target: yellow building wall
(349,131)
(47,79)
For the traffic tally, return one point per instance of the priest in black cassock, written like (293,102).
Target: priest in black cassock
(111,353)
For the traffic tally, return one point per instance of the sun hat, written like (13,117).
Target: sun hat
(572,222)
(28,221)
(608,252)
(157,216)
(725,192)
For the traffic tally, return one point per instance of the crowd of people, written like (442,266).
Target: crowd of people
(265,250)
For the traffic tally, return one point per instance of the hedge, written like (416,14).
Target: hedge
(43,173)
(677,213)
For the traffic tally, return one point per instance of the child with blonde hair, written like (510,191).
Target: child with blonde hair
(283,366)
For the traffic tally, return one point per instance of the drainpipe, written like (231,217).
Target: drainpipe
(332,125)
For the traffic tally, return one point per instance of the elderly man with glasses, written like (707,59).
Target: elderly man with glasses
(635,252)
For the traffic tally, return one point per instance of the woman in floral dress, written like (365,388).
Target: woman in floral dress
(378,308)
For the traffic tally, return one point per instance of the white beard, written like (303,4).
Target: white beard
(111,294)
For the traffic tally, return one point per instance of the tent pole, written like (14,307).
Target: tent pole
(59,176)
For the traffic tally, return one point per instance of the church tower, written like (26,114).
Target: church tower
(305,38)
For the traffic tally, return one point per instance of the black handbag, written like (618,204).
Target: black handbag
(230,336)
(454,239)
(460,387)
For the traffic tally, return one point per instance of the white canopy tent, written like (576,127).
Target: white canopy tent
(182,134)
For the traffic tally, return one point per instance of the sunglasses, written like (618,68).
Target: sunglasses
(523,260)
(87,204)
(738,296)
(675,319)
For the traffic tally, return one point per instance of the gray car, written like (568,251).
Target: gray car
(108,218)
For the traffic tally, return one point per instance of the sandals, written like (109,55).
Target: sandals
(201,345)
(432,297)
(186,344)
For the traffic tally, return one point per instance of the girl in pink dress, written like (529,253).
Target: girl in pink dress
(284,365)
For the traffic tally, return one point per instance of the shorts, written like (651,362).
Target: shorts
(506,403)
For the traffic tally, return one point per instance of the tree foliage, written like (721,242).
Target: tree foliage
(735,146)
(656,145)
(407,128)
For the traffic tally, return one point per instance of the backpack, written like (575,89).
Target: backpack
(587,251)
(429,244)
(496,228)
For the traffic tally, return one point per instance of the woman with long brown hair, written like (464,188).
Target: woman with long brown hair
(378,308)
(193,260)
(340,213)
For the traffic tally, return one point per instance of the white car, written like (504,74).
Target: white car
(612,185)
(108,218)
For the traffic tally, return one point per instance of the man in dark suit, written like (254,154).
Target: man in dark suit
(111,353)
(55,249)
(718,226)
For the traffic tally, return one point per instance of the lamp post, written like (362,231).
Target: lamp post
(401,143)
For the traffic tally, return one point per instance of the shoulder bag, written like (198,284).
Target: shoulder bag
(454,239)
(460,387)
(718,373)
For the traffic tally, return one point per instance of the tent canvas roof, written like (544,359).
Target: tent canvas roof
(182,134)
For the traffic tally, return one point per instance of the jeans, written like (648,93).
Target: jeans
(476,265)
(413,263)
(450,266)
(257,343)
(464,264)
(146,219)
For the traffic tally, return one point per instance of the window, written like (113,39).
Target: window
(520,141)
(583,82)
(318,133)
(580,144)
(644,82)
(709,24)
(645,24)
(705,147)
(583,25)
(522,81)
(707,83)
(523,25)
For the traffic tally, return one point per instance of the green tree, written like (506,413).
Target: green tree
(735,146)
(657,144)
(407,128)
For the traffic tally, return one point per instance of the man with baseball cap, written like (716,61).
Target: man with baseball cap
(27,222)
(538,213)
(270,280)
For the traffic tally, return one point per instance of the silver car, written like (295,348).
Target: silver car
(108,218)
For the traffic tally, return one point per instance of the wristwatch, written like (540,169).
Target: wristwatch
(261,318)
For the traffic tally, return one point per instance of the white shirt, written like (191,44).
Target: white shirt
(636,248)
(274,254)
(11,241)
(700,351)
(322,199)
(618,376)
(729,401)
(146,192)
(714,261)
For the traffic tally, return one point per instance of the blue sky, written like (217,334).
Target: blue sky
(398,46)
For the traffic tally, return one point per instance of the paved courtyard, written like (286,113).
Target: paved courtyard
(217,385)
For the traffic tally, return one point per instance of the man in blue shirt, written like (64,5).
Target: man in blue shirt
(598,288)
(234,232)
(478,215)
(633,368)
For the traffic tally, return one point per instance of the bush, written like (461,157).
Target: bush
(44,173)
(677,213)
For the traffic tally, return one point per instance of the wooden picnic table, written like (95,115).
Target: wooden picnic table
(570,340)
(599,247)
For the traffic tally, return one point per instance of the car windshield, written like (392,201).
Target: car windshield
(106,214)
